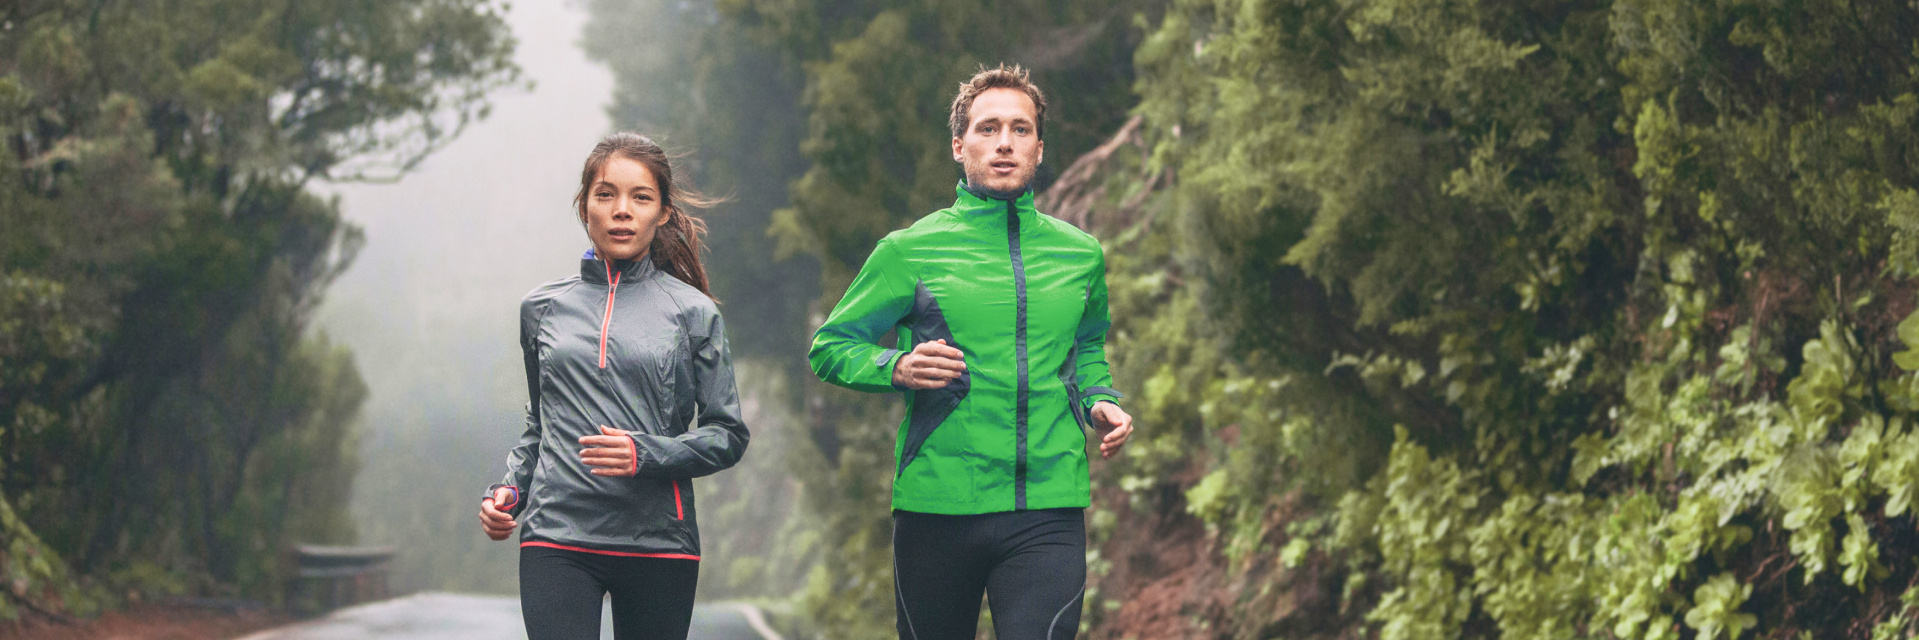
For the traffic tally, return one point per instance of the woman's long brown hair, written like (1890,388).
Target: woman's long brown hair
(677,246)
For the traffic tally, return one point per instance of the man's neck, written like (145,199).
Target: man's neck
(996,194)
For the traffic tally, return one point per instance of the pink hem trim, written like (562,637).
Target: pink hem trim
(623,554)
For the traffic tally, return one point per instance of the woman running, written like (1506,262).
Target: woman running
(631,396)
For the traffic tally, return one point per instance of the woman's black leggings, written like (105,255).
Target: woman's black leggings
(560,593)
(1031,565)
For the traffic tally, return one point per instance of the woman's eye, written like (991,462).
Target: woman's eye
(602,194)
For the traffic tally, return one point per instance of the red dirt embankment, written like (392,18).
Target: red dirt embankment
(148,622)
(1172,581)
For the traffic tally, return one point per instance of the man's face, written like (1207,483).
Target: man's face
(1001,148)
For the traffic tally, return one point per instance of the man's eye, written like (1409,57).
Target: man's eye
(1020,130)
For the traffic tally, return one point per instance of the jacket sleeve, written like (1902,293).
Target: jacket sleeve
(524,456)
(846,349)
(718,437)
(1096,378)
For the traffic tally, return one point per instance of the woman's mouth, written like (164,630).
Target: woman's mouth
(622,234)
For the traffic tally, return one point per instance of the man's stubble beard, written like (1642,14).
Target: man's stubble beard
(1022,183)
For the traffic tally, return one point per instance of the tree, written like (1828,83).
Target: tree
(1573,320)
(163,257)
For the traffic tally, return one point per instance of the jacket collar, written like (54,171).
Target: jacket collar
(972,203)
(596,271)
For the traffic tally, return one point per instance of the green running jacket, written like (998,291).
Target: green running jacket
(1023,296)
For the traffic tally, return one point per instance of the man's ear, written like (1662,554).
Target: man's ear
(1042,153)
(957,157)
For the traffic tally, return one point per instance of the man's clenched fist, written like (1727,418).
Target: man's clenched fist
(931,365)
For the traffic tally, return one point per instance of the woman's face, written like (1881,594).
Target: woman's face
(623,210)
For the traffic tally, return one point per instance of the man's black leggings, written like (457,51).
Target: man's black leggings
(560,593)
(1030,564)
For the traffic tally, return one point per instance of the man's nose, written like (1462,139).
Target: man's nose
(1005,140)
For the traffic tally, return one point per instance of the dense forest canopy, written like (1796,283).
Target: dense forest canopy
(167,422)
(1566,320)
(1440,318)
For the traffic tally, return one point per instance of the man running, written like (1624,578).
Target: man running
(1005,312)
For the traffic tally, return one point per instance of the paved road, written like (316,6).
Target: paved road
(449,616)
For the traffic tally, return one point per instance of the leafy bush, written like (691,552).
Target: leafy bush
(1580,318)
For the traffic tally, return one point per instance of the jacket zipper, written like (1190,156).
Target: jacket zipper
(1019,354)
(607,320)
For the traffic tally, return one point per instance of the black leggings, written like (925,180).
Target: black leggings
(560,592)
(1030,564)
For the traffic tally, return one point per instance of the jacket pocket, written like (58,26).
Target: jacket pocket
(679,502)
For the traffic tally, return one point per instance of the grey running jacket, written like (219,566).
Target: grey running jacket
(628,346)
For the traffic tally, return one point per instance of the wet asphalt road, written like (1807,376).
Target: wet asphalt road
(450,616)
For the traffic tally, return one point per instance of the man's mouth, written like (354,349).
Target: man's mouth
(1004,165)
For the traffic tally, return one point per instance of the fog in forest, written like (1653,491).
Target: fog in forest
(429,308)
(1431,315)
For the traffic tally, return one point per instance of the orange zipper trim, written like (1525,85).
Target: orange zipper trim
(607,321)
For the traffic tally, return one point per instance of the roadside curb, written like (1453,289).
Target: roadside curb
(757,619)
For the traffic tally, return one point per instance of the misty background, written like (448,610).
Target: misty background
(1432,314)
(430,305)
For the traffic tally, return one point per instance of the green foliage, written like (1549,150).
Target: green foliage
(1716,608)
(166,423)
(729,103)
(1576,320)
(878,82)
(1603,300)
(38,579)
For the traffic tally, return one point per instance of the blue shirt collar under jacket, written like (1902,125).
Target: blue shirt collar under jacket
(594,271)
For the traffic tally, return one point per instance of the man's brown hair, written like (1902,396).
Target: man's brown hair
(1001,77)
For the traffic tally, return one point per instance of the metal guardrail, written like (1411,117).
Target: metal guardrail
(326,578)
